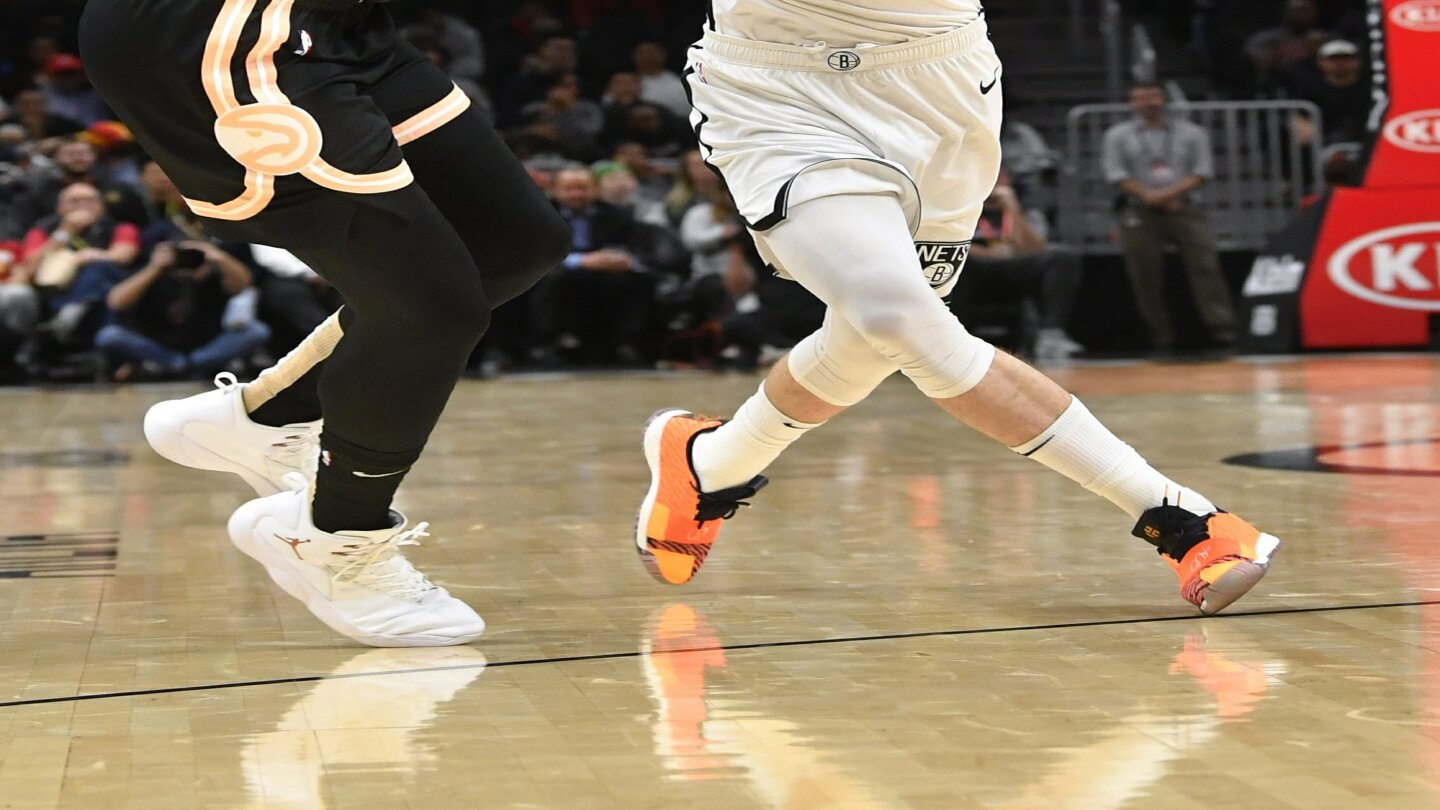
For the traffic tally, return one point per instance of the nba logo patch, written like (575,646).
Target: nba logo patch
(306,43)
(942,261)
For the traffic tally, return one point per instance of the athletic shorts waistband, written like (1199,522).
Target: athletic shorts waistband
(821,57)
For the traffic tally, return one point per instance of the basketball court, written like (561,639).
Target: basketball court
(908,617)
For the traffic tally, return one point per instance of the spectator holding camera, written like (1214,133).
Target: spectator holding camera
(180,314)
(1158,162)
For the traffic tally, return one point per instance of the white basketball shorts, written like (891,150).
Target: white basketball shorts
(785,124)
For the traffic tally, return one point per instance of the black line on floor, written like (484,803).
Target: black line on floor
(759,645)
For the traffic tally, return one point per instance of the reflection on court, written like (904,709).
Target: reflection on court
(364,720)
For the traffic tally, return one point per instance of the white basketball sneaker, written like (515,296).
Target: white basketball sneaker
(212,431)
(356,582)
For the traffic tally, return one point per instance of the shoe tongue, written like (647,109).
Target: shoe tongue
(398,524)
(1172,530)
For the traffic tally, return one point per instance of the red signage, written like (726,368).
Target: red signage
(1403,49)
(1417,15)
(1375,275)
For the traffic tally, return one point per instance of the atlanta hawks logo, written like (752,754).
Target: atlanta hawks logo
(273,139)
(844,60)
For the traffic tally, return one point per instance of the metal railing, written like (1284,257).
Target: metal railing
(1262,171)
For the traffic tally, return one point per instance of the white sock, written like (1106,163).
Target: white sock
(742,448)
(1080,448)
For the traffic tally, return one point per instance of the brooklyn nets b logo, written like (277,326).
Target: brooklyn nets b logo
(941,262)
(844,60)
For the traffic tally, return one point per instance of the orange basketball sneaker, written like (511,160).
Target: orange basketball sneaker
(678,523)
(1218,557)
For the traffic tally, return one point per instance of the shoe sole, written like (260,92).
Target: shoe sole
(242,533)
(654,432)
(166,436)
(1239,580)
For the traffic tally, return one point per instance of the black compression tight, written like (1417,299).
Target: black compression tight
(506,224)
(419,291)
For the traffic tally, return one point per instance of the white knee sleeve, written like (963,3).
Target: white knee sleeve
(857,255)
(837,364)
(934,350)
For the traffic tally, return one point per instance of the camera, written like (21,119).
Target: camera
(188,259)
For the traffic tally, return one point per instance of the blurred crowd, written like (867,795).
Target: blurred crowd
(104,273)
(1308,50)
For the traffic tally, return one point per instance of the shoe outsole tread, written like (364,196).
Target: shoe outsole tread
(1240,579)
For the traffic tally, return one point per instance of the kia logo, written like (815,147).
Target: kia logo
(1417,15)
(1397,267)
(1418,131)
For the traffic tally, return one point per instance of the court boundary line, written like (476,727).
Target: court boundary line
(755,645)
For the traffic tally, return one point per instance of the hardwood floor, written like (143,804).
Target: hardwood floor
(908,617)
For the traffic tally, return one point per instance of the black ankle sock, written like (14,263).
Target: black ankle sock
(298,403)
(355,485)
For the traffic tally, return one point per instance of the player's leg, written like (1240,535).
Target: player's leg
(416,307)
(505,220)
(416,311)
(820,378)
(889,302)
(513,235)
(883,294)
(512,231)
(703,469)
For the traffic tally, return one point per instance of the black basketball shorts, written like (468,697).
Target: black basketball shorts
(275,119)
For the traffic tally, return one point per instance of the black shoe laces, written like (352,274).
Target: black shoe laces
(725,503)
(1171,530)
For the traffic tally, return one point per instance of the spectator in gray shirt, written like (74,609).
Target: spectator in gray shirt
(1159,163)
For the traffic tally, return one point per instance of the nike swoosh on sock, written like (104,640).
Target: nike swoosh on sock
(379,475)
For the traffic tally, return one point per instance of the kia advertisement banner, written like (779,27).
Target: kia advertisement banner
(1374,278)
(1405,120)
